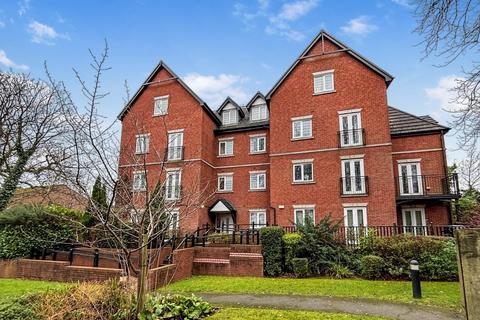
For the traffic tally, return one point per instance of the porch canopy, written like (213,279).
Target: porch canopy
(221,207)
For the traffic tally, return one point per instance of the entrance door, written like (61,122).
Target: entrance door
(414,221)
(225,222)
(410,178)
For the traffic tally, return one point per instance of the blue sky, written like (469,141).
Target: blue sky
(220,47)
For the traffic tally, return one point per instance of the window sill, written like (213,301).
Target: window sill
(352,146)
(173,160)
(139,190)
(257,190)
(159,115)
(258,120)
(325,92)
(260,152)
(303,182)
(298,139)
(225,156)
(354,195)
(219,191)
(141,153)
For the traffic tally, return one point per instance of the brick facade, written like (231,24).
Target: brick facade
(390,137)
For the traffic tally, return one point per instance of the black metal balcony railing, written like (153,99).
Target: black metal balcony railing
(427,185)
(350,138)
(354,185)
(173,192)
(174,153)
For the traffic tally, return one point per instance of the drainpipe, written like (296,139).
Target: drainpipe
(274,215)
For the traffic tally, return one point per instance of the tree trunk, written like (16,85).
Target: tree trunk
(143,276)
(11,182)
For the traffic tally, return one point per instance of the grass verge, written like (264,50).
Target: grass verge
(14,288)
(439,294)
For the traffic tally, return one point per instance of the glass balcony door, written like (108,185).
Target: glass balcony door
(410,179)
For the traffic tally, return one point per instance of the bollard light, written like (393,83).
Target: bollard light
(415,275)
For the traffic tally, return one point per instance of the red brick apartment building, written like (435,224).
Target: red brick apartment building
(322,141)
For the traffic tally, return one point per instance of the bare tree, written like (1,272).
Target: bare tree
(451,28)
(469,170)
(144,199)
(34,146)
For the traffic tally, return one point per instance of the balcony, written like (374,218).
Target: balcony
(351,138)
(174,153)
(428,187)
(354,186)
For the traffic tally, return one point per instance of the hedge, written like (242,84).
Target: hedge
(272,244)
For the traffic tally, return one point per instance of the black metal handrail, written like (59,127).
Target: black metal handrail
(354,185)
(174,153)
(346,138)
(427,185)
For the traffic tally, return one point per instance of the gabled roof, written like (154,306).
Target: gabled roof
(222,205)
(162,65)
(343,47)
(404,123)
(255,97)
(230,100)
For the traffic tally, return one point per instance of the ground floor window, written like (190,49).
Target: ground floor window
(302,214)
(355,220)
(414,220)
(258,218)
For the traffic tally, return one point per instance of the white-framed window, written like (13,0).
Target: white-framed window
(301,214)
(174,219)
(258,180)
(302,127)
(410,177)
(139,181)
(323,81)
(225,147)
(225,182)
(303,171)
(355,220)
(229,115)
(142,142)
(259,112)
(175,145)
(353,177)
(173,184)
(160,106)
(258,144)
(351,132)
(258,218)
(414,220)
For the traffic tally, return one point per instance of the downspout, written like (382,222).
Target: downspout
(274,215)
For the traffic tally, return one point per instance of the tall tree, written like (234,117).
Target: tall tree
(34,143)
(451,29)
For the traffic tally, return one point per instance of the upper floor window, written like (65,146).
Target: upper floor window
(410,177)
(258,144)
(302,127)
(173,185)
(323,82)
(229,116)
(259,112)
(303,171)
(139,181)
(225,182)
(160,106)
(353,177)
(142,142)
(351,132)
(225,147)
(175,145)
(258,180)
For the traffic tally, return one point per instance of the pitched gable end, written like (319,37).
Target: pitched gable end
(233,103)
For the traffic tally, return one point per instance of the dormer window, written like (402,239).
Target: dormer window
(259,112)
(229,116)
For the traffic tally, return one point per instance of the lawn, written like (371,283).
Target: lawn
(273,314)
(13,288)
(439,294)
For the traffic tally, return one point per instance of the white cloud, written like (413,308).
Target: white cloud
(277,22)
(2,24)
(359,26)
(443,95)
(290,12)
(44,34)
(404,3)
(4,60)
(214,89)
(23,7)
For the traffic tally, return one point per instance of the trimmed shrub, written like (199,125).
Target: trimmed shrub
(160,306)
(290,242)
(300,267)
(441,265)
(372,267)
(271,238)
(23,228)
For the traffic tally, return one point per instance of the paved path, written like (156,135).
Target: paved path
(354,306)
